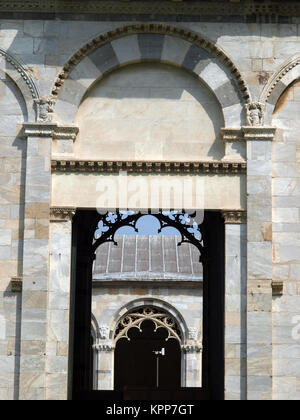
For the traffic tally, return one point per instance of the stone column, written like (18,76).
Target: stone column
(59,303)
(36,261)
(259,261)
(235,304)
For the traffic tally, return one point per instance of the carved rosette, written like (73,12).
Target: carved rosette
(62,214)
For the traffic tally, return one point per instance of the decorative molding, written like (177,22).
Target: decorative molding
(67,132)
(232,134)
(259,133)
(277,288)
(49,129)
(166,7)
(158,316)
(16,284)
(19,67)
(153,28)
(148,167)
(62,214)
(192,348)
(235,217)
(103,347)
(276,78)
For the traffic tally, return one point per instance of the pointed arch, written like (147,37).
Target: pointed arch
(156,43)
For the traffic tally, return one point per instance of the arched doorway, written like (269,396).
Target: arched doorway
(147,353)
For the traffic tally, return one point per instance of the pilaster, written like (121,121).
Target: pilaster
(235,303)
(259,261)
(57,348)
(35,261)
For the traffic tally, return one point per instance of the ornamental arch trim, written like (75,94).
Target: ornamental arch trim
(163,308)
(288,73)
(151,43)
(20,75)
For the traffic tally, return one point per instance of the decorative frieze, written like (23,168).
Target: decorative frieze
(234,216)
(166,7)
(62,214)
(148,166)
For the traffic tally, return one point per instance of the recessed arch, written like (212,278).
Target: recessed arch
(151,42)
(20,75)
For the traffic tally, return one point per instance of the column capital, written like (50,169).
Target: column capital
(62,214)
(192,348)
(234,217)
(259,133)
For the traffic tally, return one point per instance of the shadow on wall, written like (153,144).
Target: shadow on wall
(150,111)
(13,113)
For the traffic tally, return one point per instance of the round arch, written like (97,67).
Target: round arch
(20,75)
(278,83)
(155,43)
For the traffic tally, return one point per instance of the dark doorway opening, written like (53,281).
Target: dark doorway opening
(136,360)
(85,224)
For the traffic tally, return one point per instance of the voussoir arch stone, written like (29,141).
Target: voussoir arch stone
(20,75)
(149,301)
(278,83)
(153,43)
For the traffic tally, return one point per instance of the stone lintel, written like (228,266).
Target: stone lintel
(234,216)
(62,214)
